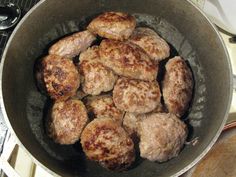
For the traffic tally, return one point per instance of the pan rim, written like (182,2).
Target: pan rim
(200,156)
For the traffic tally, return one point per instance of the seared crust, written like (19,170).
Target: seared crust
(113,25)
(162,136)
(97,78)
(106,142)
(72,45)
(177,86)
(103,106)
(67,121)
(136,96)
(127,59)
(60,76)
(156,47)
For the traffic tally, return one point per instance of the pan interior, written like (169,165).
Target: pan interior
(38,105)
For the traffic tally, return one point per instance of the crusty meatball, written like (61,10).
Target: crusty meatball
(103,106)
(96,77)
(113,25)
(156,47)
(177,86)
(105,141)
(67,120)
(162,136)
(127,59)
(72,45)
(136,96)
(60,76)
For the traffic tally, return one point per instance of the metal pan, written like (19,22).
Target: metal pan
(177,21)
(220,160)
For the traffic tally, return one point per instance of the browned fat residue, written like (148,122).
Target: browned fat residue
(114,17)
(55,86)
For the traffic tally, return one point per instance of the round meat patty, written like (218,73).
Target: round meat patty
(96,77)
(67,120)
(72,45)
(177,86)
(130,123)
(136,96)
(105,141)
(127,59)
(156,47)
(113,25)
(60,76)
(162,136)
(131,120)
(103,106)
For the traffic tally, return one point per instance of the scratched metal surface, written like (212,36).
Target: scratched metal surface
(25,6)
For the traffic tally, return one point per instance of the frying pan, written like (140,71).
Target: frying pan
(183,26)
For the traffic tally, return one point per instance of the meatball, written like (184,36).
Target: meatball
(67,120)
(72,45)
(103,106)
(127,59)
(130,123)
(96,77)
(113,25)
(105,141)
(131,120)
(60,76)
(162,135)
(177,86)
(156,47)
(136,96)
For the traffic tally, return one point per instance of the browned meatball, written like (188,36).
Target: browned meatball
(96,77)
(60,76)
(162,136)
(136,96)
(113,25)
(131,120)
(103,106)
(67,120)
(130,123)
(72,45)
(177,86)
(127,59)
(105,141)
(151,42)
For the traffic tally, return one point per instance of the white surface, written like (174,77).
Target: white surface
(222,13)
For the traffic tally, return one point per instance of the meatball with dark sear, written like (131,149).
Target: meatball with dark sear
(177,86)
(156,47)
(103,106)
(127,59)
(136,96)
(105,141)
(60,76)
(72,45)
(162,136)
(67,120)
(113,25)
(96,77)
